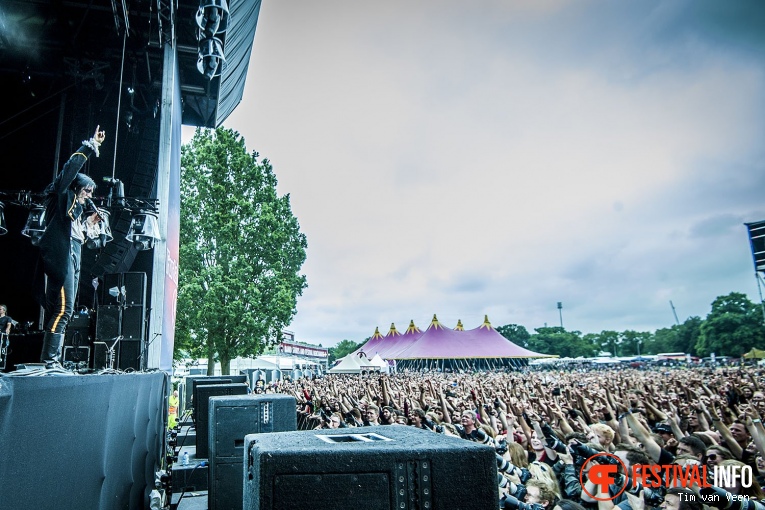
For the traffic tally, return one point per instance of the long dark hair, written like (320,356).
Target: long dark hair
(83,181)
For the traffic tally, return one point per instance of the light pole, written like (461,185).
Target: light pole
(560,313)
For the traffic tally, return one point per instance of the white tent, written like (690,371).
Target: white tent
(380,363)
(350,364)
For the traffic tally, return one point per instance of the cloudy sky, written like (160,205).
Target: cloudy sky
(497,157)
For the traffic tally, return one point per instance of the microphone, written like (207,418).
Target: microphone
(90,204)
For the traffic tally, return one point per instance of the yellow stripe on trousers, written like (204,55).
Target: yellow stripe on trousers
(61,312)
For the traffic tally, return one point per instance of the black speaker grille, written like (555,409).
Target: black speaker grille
(135,288)
(130,355)
(133,322)
(108,322)
(202,396)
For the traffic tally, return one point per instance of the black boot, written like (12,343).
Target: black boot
(51,350)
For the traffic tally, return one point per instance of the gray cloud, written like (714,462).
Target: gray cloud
(499,159)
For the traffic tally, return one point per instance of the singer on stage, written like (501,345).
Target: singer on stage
(61,244)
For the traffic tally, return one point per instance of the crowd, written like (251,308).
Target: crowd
(545,425)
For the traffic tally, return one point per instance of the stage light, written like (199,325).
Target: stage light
(212,17)
(3,228)
(144,230)
(104,232)
(210,58)
(35,225)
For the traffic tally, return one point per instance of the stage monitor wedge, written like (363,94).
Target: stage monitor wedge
(375,468)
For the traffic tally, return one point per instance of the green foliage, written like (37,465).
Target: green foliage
(515,333)
(556,340)
(631,342)
(608,341)
(732,327)
(343,348)
(678,338)
(241,251)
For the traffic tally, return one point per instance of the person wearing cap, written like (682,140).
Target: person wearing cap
(61,243)
(665,431)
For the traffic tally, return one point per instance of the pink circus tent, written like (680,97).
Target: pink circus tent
(441,343)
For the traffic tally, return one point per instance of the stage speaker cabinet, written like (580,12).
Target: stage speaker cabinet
(130,355)
(133,322)
(135,288)
(202,394)
(133,284)
(111,281)
(108,322)
(76,354)
(230,419)
(375,468)
(101,355)
(189,381)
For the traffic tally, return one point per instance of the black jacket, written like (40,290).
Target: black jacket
(61,209)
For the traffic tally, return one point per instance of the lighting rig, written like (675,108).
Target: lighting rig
(143,232)
(212,20)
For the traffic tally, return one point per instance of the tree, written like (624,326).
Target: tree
(679,338)
(609,341)
(241,251)
(732,327)
(343,348)
(515,333)
(556,340)
(633,341)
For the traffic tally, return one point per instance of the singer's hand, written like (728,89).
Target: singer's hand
(96,216)
(99,135)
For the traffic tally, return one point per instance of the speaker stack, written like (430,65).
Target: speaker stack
(230,419)
(122,313)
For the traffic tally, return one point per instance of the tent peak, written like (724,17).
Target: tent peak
(412,328)
(434,324)
(486,324)
(459,326)
(393,331)
(377,333)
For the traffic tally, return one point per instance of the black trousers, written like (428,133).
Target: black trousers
(59,299)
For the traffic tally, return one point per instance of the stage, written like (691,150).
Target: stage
(71,441)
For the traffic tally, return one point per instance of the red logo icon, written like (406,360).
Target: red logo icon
(603,468)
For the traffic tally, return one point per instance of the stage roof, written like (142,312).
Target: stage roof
(49,47)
